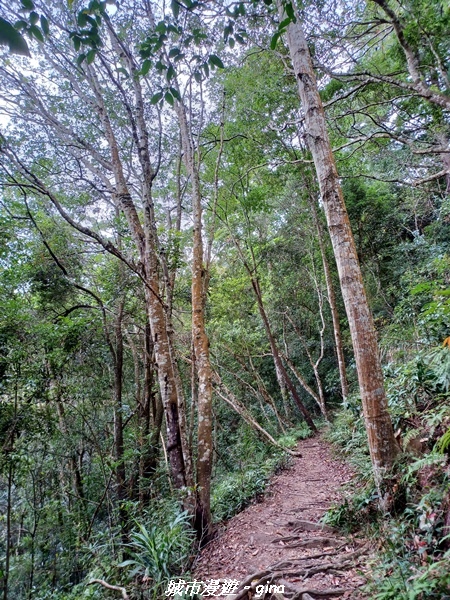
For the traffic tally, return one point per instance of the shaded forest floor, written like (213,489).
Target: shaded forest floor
(279,540)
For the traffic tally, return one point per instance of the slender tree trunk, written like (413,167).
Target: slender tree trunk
(332,302)
(151,421)
(301,379)
(279,367)
(145,239)
(119,447)
(203,524)
(77,479)
(8,531)
(382,444)
(227,395)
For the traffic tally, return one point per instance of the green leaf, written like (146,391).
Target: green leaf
(174,52)
(228,31)
(20,25)
(90,56)
(81,58)
(156,98)
(215,60)
(274,40)
(290,11)
(91,21)
(82,19)
(34,18)
(12,38)
(170,73)
(231,42)
(161,27)
(76,42)
(146,65)
(175,93)
(175,8)
(206,69)
(197,76)
(28,4)
(284,24)
(127,563)
(168,98)
(44,25)
(36,33)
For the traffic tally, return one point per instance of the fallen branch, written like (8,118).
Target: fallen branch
(227,395)
(117,588)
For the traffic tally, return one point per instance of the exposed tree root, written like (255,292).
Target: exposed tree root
(316,542)
(292,568)
(299,526)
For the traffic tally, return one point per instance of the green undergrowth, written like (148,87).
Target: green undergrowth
(414,540)
(161,546)
(255,463)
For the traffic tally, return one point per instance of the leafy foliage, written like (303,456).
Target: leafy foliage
(161,551)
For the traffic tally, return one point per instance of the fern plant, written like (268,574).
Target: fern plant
(443,443)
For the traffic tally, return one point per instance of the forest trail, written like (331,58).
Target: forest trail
(279,540)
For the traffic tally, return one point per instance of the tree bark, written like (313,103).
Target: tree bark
(332,302)
(382,444)
(119,448)
(152,418)
(203,523)
(279,366)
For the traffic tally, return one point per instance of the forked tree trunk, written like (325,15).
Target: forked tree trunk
(144,237)
(382,444)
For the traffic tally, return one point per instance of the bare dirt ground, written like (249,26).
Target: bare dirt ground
(279,540)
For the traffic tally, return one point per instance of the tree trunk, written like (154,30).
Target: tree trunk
(382,444)
(145,239)
(332,302)
(151,421)
(8,530)
(119,447)
(203,524)
(279,367)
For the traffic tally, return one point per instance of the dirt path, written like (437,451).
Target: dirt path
(276,541)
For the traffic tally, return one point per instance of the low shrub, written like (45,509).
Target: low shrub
(161,551)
